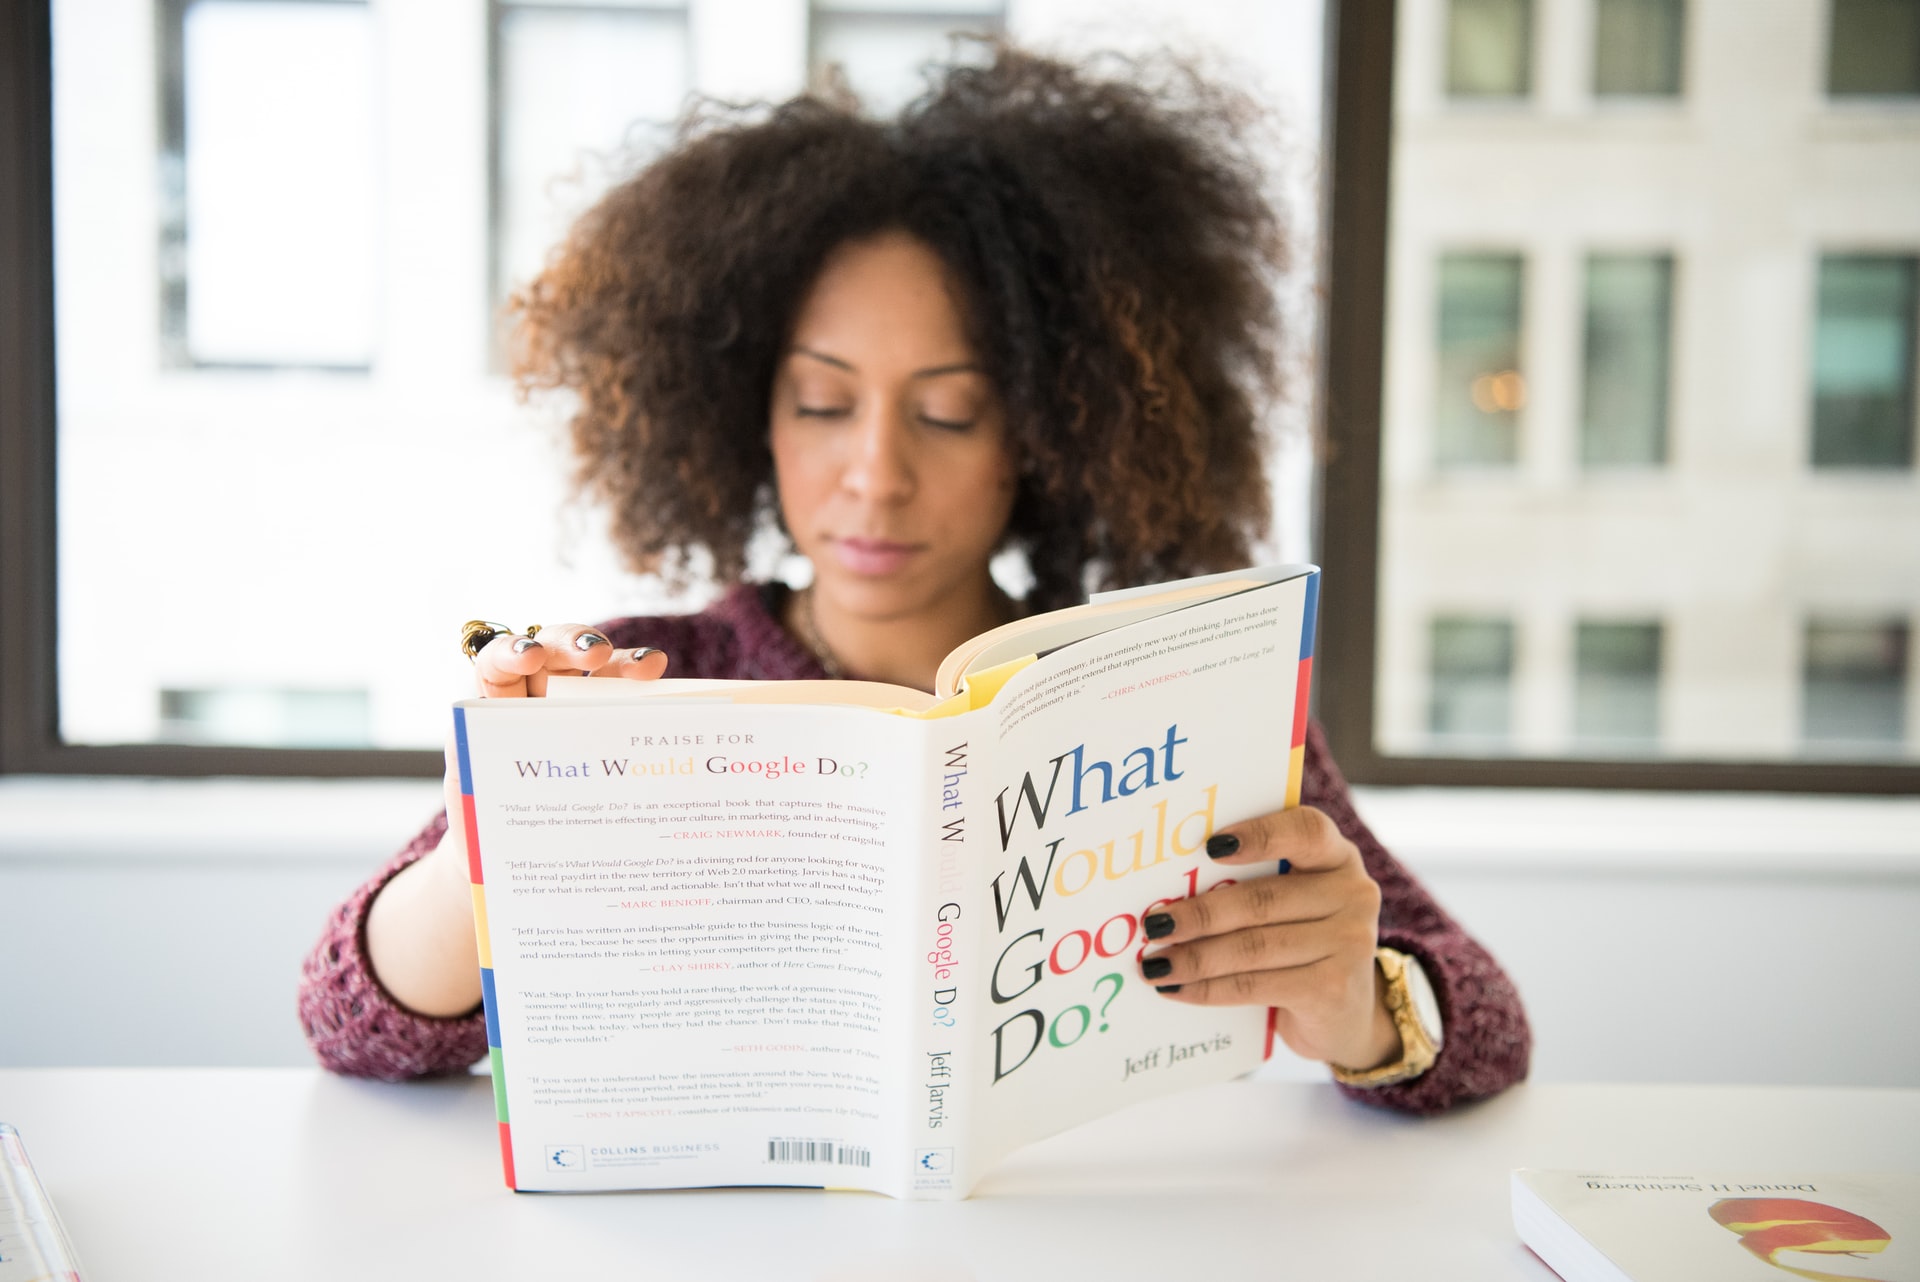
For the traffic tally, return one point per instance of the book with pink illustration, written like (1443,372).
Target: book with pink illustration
(847,935)
(1668,1227)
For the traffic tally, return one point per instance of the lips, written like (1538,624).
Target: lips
(872,556)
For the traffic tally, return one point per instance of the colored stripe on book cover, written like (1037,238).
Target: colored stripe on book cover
(460,750)
(475,873)
(492,1005)
(1296,770)
(480,936)
(1310,614)
(1273,1024)
(1302,688)
(506,1155)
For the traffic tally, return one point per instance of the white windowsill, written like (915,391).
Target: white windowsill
(361,822)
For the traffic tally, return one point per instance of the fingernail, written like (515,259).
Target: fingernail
(588,640)
(1158,925)
(1156,968)
(1222,844)
(524,644)
(642,653)
(1286,865)
(1167,988)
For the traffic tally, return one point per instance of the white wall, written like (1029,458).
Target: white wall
(1690,939)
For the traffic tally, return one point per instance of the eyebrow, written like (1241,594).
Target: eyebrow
(932,371)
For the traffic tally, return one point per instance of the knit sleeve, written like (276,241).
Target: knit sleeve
(1486,1042)
(352,1023)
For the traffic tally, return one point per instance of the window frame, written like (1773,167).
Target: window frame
(1359,123)
(1355,209)
(29,708)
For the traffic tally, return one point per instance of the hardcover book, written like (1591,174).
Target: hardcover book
(1665,1227)
(842,934)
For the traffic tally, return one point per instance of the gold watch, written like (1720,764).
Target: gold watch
(1416,1015)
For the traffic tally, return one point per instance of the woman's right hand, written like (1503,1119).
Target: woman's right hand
(515,666)
(420,925)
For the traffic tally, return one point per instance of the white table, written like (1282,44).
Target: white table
(289,1174)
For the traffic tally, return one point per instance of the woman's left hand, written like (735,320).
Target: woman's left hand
(1302,942)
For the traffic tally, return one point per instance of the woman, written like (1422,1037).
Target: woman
(1036,313)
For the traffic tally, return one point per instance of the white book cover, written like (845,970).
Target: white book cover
(1664,1227)
(783,933)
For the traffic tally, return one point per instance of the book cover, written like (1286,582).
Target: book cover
(838,935)
(1591,1227)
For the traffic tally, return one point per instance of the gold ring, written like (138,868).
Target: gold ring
(475,633)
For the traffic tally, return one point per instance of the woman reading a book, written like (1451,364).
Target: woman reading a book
(1035,312)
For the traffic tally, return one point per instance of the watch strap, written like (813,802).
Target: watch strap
(1417,1049)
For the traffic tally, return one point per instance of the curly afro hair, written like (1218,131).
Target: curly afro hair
(1116,255)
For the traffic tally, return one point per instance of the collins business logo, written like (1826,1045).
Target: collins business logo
(933,1161)
(566,1157)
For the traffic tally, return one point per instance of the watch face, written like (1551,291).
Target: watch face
(1426,1007)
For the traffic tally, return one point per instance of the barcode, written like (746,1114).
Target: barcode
(817,1151)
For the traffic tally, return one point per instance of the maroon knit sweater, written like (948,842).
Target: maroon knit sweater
(355,1027)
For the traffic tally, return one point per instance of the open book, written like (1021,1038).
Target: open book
(835,933)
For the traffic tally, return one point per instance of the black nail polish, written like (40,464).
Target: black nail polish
(1222,844)
(588,640)
(1167,988)
(1286,865)
(1156,968)
(1158,925)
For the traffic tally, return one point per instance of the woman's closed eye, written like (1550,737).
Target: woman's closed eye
(822,411)
(948,424)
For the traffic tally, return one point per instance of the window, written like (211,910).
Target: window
(1855,684)
(1637,48)
(1489,48)
(1709,327)
(268,143)
(1873,48)
(1863,353)
(276,423)
(1471,706)
(1628,336)
(1480,391)
(580,92)
(878,52)
(1616,692)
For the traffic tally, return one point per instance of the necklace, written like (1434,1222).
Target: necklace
(810,636)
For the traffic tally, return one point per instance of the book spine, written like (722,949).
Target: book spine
(1303,687)
(1297,749)
(476,873)
(946,959)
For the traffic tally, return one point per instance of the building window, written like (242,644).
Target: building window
(1854,686)
(1472,693)
(1863,354)
(268,251)
(245,715)
(879,54)
(577,90)
(1489,48)
(1629,329)
(1616,686)
(1480,390)
(1637,46)
(1873,48)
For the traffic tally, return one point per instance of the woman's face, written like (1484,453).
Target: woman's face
(889,443)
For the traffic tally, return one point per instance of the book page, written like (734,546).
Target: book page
(1114,760)
(688,916)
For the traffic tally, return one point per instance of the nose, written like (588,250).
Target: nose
(880,465)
